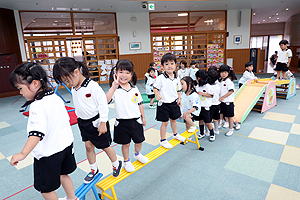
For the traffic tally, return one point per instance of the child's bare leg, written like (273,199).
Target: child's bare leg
(283,74)
(278,75)
(173,126)
(110,152)
(163,130)
(67,184)
(230,119)
(90,152)
(138,147)
(189,122)
(125,151)
(209,126)
(50,195)
(151,101)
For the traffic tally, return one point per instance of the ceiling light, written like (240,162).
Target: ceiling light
(276,13)
(254,13)
(182,14)
(287,9)
(164,27)
(264,20)
(55,21)
(277,17)
(276,21)
(269,17)
(208,21)
(85,9)
(33,21)
(81,20)
(259,22)
(62,8)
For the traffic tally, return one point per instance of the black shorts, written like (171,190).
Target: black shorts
(281,67)
(227,109)
(168,111)
(204,115)
(215,112)
(151,96)
(127,129)
(47,170)
(91,133)
(240,85)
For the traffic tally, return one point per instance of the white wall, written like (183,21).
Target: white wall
(243,30)
(126,29)
(20,36)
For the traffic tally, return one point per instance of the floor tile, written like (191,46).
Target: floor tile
(24,163)
(1,156)
(293,140)
(279,117)
(4,124)
(152,136)
(278,193)
(269,135)
(103,162)
(254,166)
(290,155)
(295,129)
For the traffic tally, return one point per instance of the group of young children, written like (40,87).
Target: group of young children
(194,95)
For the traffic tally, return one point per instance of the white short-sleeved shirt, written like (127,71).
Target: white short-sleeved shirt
(193,73)
(225,87)
(216,90)
(149,85)
(127,102)
(90,100)
(206,102)
(48,119)
(167,87)
(247,76)
(189,102)
(283,56)
(183,72)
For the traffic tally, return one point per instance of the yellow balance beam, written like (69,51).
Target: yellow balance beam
(110,181)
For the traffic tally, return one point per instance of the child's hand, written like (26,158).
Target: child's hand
(102,128)
(179,102)
(144,121)
(221,99)
(16,158)
(116,83)
(158,97)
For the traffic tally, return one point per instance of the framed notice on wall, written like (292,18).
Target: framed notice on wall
(237,39)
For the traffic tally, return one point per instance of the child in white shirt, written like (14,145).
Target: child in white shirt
(248,74)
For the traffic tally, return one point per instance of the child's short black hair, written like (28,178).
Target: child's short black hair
(193,63)
(213,74)
(151,69)
(283,42)
(152,64)
(184,62)
(248,64)
(168,57)
(202,77)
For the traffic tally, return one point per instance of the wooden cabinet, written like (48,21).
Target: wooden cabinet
(8,62)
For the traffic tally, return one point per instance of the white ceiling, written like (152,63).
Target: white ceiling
(263,8)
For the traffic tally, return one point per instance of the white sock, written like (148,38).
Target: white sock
(216,125)
(94,166)
(206,128)
(115,164)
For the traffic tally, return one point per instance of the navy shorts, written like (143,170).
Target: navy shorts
(47,170)
(91,133)
(127,129)
(204,115)
(215,112)
(168,111)
(227,109)
(281,67)
(151,96)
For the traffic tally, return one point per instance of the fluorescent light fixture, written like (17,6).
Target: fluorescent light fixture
(85,9)
(208,21)
(75,8)
(164,27)
(277,17)
(62,8)
(182,14)
(264,20)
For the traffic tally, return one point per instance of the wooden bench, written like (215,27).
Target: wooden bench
(84,188)
(110,181)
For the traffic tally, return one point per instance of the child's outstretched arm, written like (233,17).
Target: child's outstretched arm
(112,90)
(29,146)
(142,114)
(179,99)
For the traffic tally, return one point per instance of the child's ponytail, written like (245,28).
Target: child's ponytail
(134,78)
(112,76)
(83,69)
(202,77)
